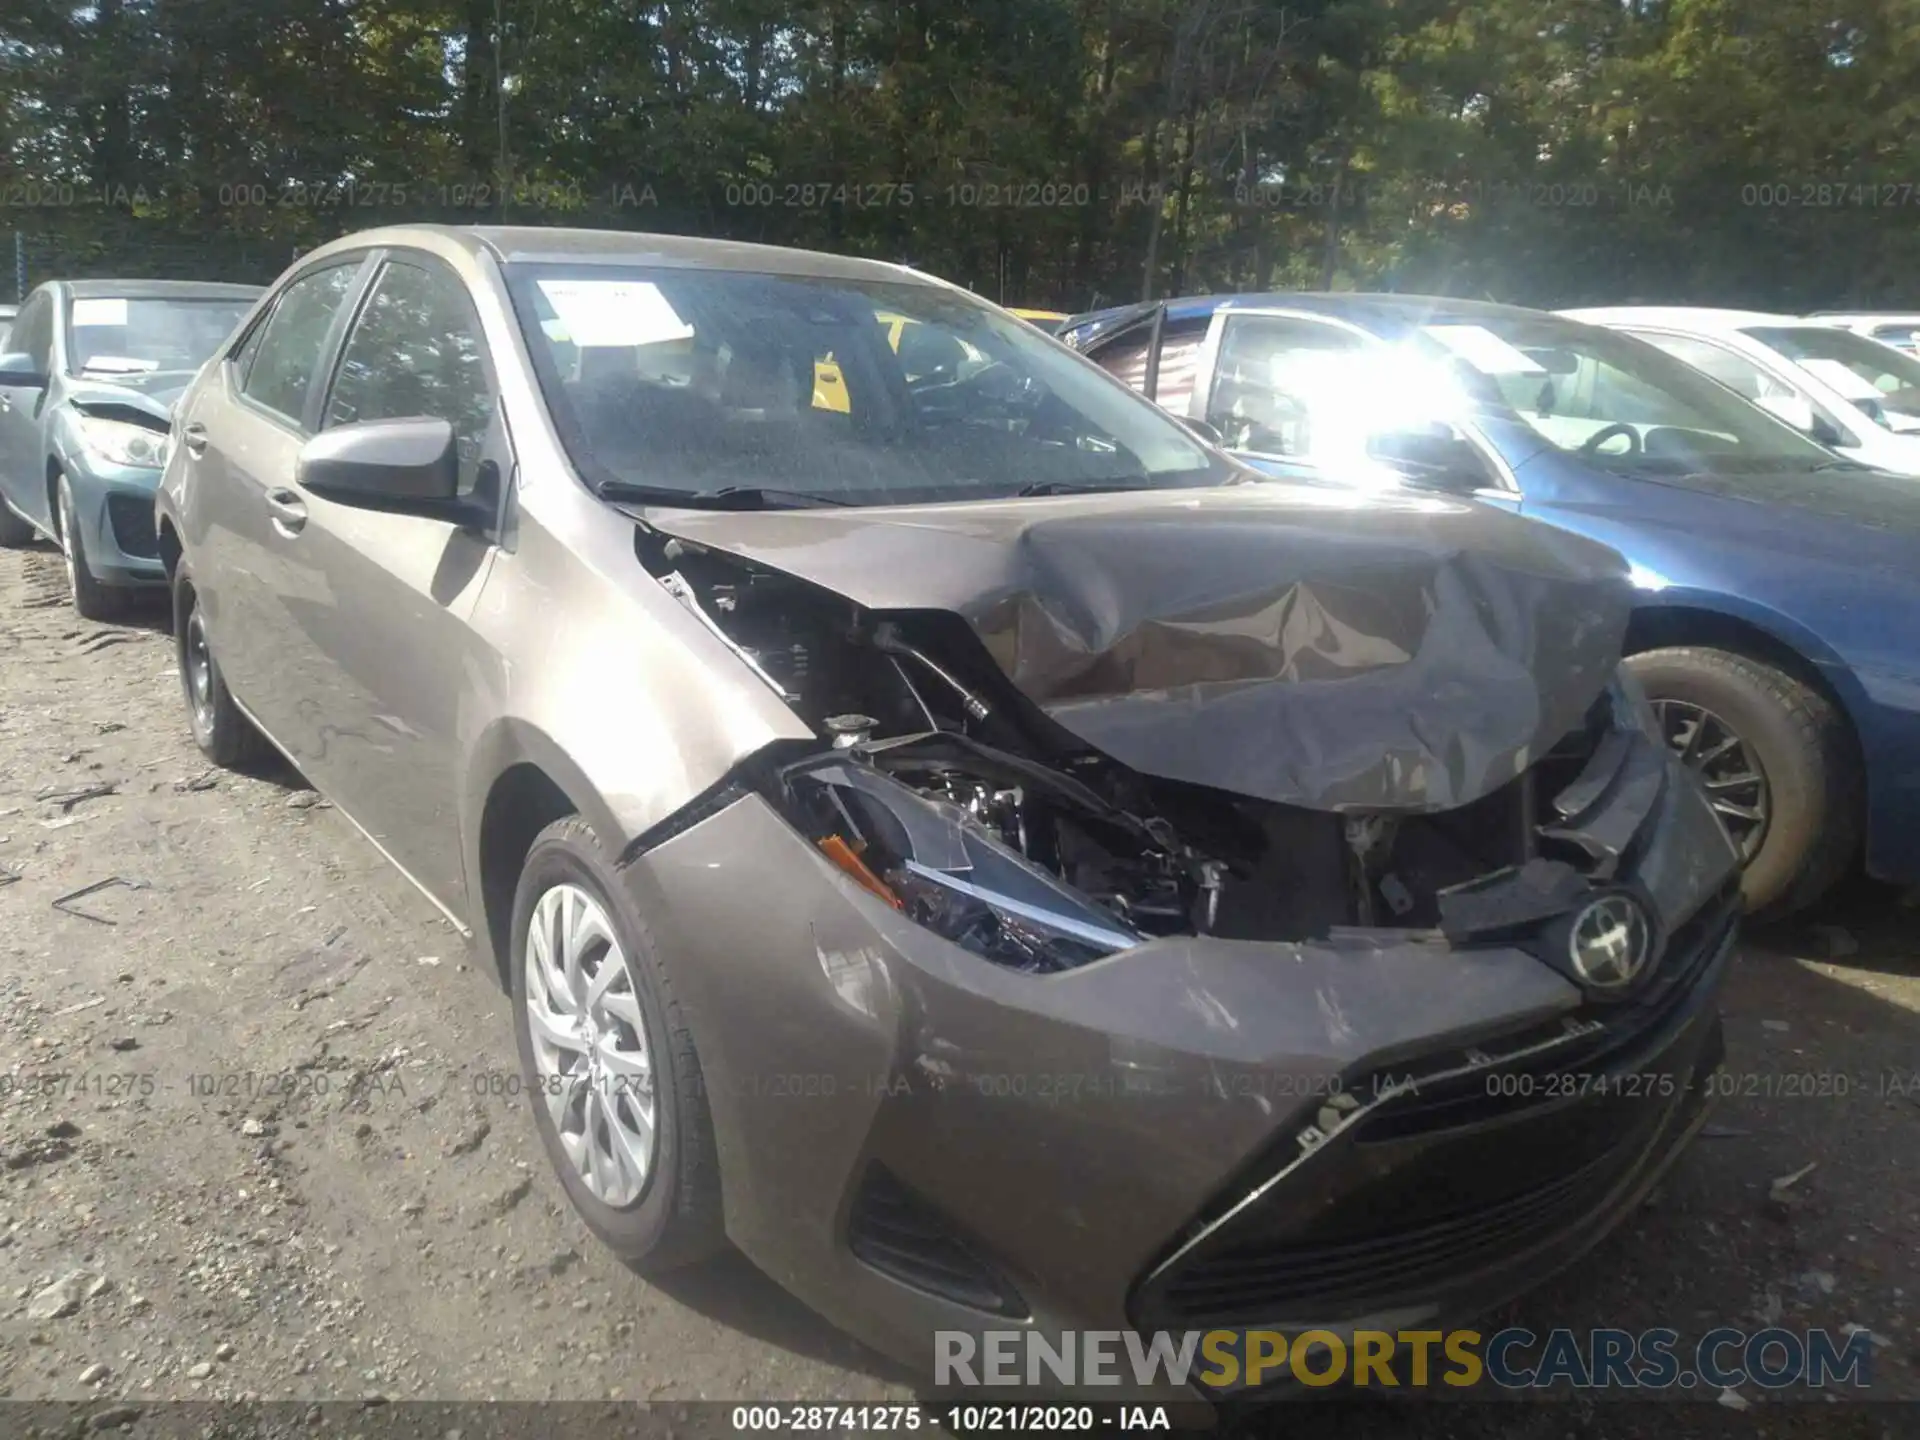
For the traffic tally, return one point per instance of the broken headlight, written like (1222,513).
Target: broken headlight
(933,861)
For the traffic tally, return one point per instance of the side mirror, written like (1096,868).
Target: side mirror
(1795,410)
(18,371)
(1825,432)
(1206,431)
(402,467)
(1435,459)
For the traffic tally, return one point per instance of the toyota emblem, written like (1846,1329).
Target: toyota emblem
(1610,942)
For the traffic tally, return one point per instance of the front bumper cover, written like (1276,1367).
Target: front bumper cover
(1091,1136)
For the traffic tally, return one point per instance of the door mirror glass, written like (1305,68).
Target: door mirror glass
(18,370)
(407,467)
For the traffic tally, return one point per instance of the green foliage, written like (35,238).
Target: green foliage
(1049,152)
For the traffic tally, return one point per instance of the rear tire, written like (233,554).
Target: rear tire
(1814,789)
(225,736)
(94,599)
(672,1217)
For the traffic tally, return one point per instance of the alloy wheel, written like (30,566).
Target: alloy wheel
(199,672)
(594,1067)
(1736,784)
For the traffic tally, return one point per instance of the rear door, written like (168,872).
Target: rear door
(381,602)
(22,448)
(242,445)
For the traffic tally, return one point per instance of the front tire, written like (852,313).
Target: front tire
(1778,762)
(608,1060)
(224,735)
(92,598)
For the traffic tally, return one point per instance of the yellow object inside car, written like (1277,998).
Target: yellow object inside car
(830,386)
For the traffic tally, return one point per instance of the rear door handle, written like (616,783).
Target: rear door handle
(289,513)
(194,437)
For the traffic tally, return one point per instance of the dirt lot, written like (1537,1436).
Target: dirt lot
(252,1145)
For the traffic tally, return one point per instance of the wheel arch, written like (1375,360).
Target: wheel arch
(529,782)
(1768,638)
(1765,636)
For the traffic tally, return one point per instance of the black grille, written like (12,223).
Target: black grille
(132,519)
(1259,1282)
(901,1235)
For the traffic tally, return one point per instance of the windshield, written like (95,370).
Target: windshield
(856,392)
(121,336)
(1883,382)
(1614,399)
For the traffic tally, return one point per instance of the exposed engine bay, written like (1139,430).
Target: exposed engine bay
(943,790)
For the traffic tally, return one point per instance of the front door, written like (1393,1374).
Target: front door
(382,601)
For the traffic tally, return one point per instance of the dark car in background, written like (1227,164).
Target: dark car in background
(1283,845)
(88,378)
(1776,616)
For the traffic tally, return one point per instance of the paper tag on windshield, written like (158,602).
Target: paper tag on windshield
(99,312)
(1836,374)
(1484,350)
(118,365)
(614,312)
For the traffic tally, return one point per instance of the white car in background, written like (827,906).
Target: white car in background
(1901,331)
(1854,395)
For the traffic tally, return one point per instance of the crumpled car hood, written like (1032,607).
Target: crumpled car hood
(154,392)
(1306,645)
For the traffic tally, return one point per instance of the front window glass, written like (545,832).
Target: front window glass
(1292,388)
(1611,398)
(859,392)
(281,371)
(120,335)
(415,353)
(1882,381)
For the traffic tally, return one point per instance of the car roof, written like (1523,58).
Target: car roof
(1382,313)
(513,244)
(160,290)
(1876,317)
(1686,317)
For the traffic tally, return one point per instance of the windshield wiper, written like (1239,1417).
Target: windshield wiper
(726,497)
(1077,487)
(1838,465)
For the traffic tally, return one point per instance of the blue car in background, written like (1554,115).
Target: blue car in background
(1777,631)
(88,377)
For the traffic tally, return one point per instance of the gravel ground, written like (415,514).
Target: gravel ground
(253,1143)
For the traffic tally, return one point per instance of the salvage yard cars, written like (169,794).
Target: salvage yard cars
(829,780)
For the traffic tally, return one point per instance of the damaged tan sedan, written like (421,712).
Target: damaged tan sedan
(945,832)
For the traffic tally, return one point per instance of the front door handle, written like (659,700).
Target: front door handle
(289,512)
(194,437)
